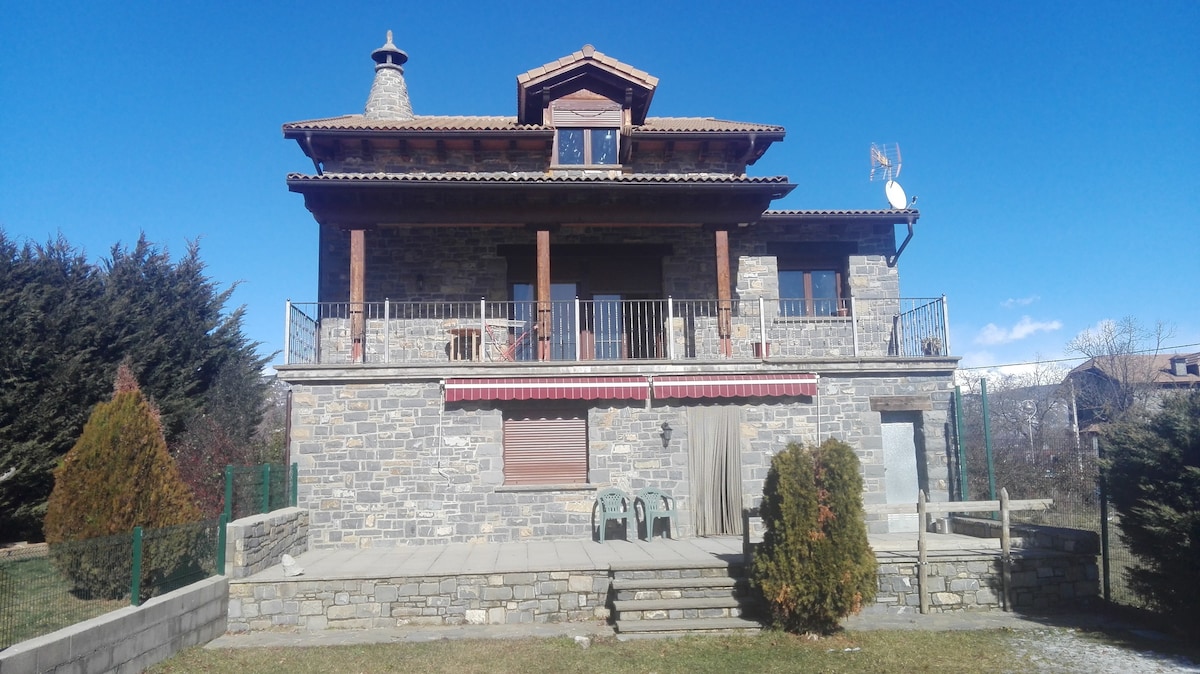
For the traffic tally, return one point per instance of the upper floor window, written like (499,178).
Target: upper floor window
(587,146)
(810,292)
(812,277)
(587,132)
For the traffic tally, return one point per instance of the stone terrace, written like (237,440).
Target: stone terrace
(543,581)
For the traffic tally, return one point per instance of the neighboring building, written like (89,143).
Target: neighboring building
(514,312)
(1107,385)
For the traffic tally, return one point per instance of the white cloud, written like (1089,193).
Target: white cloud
(992,334)
(1019,302)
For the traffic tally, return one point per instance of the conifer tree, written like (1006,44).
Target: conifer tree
(1154,484)
(814,566)
(117,476)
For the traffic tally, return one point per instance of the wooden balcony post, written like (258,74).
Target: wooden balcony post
(544,306)
(358,285)
(724,294)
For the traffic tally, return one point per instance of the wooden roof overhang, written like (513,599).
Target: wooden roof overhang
(375,200)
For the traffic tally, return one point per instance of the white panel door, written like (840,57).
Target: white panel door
(900,472)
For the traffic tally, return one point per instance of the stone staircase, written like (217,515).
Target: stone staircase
(676,598)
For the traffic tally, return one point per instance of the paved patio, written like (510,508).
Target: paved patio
(573,555)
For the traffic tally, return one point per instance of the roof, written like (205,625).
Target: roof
(585,69)
(424,123)
(528,177)
(1158,364)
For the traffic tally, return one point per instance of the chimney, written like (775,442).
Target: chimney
(389,93)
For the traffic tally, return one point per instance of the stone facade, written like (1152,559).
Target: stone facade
(384,464)
(470,599)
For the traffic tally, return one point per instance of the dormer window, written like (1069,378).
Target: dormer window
(587,132)
(587,146)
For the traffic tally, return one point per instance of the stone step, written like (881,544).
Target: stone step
(627,605)
(712,582)
(687,626)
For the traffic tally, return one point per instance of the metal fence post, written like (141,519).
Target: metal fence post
(987,442)
(287,333)
(1105,550)
(135,581)
(670,328)
(295,484)
(387,330)
(266,487)
(964,487)
(229,493)
(221,539)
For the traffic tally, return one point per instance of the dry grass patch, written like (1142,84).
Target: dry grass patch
(884,651)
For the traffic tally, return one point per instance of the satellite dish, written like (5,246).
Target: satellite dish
(895,195)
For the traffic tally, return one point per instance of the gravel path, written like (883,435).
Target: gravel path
(1066,650)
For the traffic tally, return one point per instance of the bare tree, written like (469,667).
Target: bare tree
(1118,377)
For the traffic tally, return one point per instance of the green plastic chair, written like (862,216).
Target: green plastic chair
(612,505)
(656,505)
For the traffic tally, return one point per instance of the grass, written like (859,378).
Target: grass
(884,651)
(37,600)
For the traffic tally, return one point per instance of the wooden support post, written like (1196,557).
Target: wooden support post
(922,552)
(358,286)
(1005,550)
(724,294)
(544,306)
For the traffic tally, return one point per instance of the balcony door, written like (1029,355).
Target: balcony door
(562,319)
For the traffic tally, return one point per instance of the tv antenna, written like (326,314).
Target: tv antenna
(885,165)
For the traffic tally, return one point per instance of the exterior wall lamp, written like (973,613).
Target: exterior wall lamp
(666,434)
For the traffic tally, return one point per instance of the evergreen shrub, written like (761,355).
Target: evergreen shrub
(814,566)
(1154,485)
(117,476)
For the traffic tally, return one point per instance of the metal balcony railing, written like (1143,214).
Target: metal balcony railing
(614,330)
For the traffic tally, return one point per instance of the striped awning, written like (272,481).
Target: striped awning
(548,388)
(734,385)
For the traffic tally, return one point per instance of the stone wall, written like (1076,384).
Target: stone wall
(487,599)
(1022,535)
(260,541)
(384,464)
(130,639)
(973,582)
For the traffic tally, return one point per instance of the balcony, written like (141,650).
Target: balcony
(482,332)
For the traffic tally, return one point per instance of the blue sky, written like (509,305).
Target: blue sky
(1053,145)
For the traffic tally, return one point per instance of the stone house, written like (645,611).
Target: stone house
(514,312)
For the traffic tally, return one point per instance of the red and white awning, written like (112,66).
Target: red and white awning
(734,385)
(548,388)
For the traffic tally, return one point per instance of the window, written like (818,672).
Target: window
(587,132)
(595,147)
(812,277)
(545,446)
(814,292)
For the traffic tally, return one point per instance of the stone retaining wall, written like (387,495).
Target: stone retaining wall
(973,581)
(128,639)
(257,542)
(1031,535)
(469,599)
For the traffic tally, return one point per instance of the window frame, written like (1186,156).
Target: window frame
(808,258)
(588,147)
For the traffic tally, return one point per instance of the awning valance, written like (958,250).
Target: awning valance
(734,385)
(547,388)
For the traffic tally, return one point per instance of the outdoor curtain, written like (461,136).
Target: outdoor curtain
(714,454)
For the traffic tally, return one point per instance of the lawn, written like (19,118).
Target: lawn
(909,651)
(35,599)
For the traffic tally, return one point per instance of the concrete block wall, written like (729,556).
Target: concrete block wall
(385,464)
(257,542)
(128,639)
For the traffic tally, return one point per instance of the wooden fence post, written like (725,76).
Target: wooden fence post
(922,568)
(1005,550)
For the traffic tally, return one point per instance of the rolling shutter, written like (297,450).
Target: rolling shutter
(545,448)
